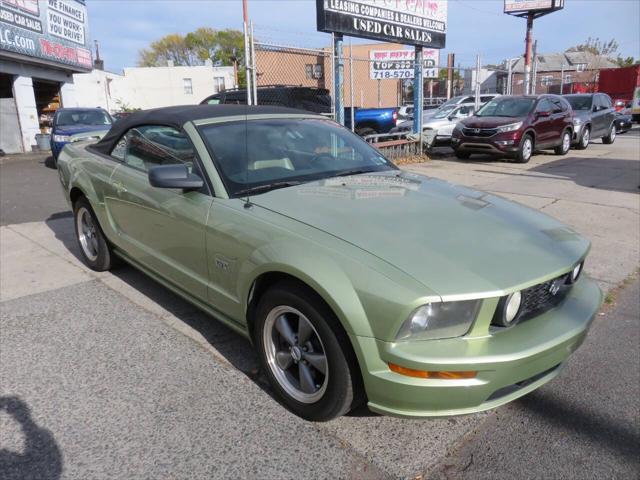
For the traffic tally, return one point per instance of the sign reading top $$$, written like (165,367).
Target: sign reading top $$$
(411,22)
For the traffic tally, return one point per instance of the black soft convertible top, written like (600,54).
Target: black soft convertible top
(179,115)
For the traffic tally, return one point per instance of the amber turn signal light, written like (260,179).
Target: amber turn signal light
(442,375)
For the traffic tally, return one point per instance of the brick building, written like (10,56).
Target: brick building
(576,71)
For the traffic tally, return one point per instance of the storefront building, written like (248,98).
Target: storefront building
(42,44)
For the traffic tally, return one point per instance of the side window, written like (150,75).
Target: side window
(469,99)
(544,105)
(606,101)
(151,145)
(558,105)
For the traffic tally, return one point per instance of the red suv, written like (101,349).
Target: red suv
(515,127)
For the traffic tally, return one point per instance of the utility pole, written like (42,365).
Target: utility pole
(247,60)
(352,110)
(450,63)
(527,54)
(418,102)
(338,71)
(534,76)
(477,86)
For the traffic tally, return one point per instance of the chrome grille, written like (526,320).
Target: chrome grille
(479,132)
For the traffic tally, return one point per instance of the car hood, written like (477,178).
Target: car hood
(74,129)
(490,122)
(454,240)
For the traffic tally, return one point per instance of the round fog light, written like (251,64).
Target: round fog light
(575,273)
(512,307)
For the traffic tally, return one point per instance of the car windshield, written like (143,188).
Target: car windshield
(507,107)
(446,112)
(580,102)
(452,101)
(65,118)
(260,155)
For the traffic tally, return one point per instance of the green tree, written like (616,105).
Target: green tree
(597,47)
(627,62)
(172,48)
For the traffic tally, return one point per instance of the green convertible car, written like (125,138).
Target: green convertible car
(356,281)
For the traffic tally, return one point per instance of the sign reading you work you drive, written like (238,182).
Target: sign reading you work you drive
(50,30)
(411,22)
(399,64)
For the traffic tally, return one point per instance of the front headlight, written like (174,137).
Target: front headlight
(458,127)
(61,138)
(512,127)
(439,320)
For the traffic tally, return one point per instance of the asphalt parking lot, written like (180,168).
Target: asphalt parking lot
(112,376)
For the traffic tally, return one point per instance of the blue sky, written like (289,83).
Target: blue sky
(475,26)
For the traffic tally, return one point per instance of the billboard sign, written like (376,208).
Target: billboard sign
(52,30)
(398,64)
(411,22)
(522,6)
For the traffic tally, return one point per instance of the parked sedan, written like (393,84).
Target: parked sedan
(593,118)
(71,121)
(300,236)
(623,121)
(515,127)
(442,123)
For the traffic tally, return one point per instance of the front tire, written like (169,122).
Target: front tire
(94,248)
(565,146)
(299,343)
(609,139)
(525,151)
(365,131)
(584,139)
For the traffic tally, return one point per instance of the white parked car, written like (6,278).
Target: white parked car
(443,122)
(453,102)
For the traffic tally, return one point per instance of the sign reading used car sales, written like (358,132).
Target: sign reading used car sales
(411,22)
(399,64)
(54,31)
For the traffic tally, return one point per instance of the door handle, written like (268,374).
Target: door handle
(119,186)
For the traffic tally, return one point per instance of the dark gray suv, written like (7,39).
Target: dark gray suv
(593,118)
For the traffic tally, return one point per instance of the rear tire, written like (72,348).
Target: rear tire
(462,155)
(364,131)
(94,247)
(611,137)
(585,136)
(525,151)
(565,146)
(297,337)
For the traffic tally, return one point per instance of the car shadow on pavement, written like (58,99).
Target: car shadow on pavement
(232,346)
(40,458)
(606,432)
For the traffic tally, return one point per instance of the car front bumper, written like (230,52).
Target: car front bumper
(56,148)
(507,143)
(510,363)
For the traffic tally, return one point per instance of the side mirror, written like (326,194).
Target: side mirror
(174,176)
(543,114)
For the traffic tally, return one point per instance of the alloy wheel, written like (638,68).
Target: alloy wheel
(87,233)
(585,138)
(295,354)
(527,148)
(566,142)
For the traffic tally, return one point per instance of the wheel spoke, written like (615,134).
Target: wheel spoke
(306,379)
(283,359)
(284,329)
(317,361)
(94,243)
(304,331)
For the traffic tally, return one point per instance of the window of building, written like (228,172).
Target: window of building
(188,86)
(546,80)
(314,72)
(581,67)
(568,78)
(218,84)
